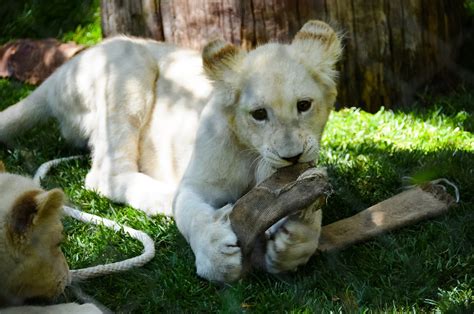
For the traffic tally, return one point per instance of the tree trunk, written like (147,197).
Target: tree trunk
(392,48)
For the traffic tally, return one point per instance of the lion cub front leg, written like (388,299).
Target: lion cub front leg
(208,231)
(218,255)
(293,241)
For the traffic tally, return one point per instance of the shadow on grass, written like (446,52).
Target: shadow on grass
(456,105)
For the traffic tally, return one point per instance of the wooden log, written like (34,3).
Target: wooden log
(392,48)
(404,209)
(129,17)
(32,61)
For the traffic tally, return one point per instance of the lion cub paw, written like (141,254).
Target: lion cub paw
(293,242)
(218,256)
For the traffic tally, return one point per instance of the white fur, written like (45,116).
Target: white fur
(67,308)
(106,98)
(136,104)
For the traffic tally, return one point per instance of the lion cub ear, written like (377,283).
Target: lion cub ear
(49,204)
(2,167)
(221,61)
(319,47)
(33,206)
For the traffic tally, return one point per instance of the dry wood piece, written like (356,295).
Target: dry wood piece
(32,61)
(407,208)
(289,190)
(293,188)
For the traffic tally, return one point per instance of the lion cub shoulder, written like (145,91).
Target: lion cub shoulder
(32,264)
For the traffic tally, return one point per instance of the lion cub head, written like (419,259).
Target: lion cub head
(31,262)
(277,98)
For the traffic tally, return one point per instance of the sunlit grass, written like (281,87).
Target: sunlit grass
(428,132)
(89,33)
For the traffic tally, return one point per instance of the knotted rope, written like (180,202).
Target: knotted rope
(107,269)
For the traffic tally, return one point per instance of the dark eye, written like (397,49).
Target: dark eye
(259,114)
(303,105)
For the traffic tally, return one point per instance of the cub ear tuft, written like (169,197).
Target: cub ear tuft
(221,60)
(23,212)
(49,203)
(2,166)
(31,207)
(318,46)
(318,32)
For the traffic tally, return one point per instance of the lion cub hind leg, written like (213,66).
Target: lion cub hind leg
(137,190)
(119,180)
(115,173)
(293,242)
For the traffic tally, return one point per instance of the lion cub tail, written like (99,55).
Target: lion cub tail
(25,114)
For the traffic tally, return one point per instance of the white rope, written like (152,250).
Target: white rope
(44,168)
(437,182)
(446,181)
(107,269)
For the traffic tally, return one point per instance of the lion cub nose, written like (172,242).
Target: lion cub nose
(293,159)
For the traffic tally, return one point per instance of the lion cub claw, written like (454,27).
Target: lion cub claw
(293,241)
(218,256)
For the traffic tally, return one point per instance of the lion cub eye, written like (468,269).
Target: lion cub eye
(303,105)
(259,114)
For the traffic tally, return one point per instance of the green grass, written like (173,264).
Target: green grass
(63,19)
(422,268)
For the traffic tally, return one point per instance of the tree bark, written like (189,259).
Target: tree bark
(392,48)
(130,17)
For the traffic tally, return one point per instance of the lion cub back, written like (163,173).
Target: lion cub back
(32,264)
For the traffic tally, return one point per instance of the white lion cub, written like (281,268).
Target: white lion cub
(267,111)
(137,104)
